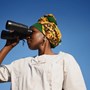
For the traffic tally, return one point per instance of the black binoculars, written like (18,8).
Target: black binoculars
(15,30)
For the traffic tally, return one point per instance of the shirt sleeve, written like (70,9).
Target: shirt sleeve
(5,73)
(73,78)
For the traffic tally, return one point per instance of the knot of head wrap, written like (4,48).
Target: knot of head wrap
(48,26)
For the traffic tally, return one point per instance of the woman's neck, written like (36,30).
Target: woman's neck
(48,52)
(46,49)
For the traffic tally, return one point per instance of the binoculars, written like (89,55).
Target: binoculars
(15,30)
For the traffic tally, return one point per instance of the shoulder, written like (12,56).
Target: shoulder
(68,59)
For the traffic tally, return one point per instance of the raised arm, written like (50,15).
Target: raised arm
(6,49)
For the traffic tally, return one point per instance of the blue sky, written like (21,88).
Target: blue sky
(73,18)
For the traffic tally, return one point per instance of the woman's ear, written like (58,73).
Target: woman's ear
(44,39)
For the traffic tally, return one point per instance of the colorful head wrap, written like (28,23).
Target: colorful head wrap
(48,26)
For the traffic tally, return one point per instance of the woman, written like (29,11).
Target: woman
(47,70)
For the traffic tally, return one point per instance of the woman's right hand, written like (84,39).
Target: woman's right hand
(12,42)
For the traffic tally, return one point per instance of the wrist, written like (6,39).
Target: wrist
(8,46)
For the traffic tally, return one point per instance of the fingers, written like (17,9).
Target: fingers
(12,42)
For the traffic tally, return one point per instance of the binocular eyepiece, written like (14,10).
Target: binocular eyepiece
(14,30)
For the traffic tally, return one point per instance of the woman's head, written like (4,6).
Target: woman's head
(36,39)
(46,27)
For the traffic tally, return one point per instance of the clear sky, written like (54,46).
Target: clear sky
(73,18)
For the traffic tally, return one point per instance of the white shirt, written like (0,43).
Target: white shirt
(45,72)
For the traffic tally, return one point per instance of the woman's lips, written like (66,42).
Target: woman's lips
(29,42)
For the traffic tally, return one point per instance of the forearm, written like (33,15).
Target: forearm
(4,51)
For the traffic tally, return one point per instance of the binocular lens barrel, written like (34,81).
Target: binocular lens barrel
(15,29)
(8,35)
(18,27)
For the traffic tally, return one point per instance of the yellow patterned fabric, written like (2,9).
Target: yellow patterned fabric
(50,29)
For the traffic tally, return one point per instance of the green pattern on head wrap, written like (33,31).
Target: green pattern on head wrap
(51,19)
(38,26)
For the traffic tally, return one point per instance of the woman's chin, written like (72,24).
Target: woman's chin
(32,48)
